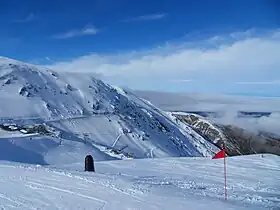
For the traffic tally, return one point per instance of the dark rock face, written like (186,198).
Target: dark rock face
(239,141)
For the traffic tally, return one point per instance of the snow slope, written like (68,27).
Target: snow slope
(86,115)
(166,183)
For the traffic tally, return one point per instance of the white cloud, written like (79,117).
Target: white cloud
(254,57)
(48,58)
(180,80)
(146,17)
(87,30)
(268,124)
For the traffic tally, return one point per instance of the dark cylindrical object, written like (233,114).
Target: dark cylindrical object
(89,163)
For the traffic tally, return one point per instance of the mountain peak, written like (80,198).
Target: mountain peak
(85,110)
(8,60)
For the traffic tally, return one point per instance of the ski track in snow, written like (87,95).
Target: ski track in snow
(167,183)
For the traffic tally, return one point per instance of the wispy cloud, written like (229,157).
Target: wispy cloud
(253,57)
(48,58)
(30,17)
(146,17)
(272,82)
(86,31)
(180,80)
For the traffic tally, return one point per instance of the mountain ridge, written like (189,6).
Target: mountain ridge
(239,141)
(94,115)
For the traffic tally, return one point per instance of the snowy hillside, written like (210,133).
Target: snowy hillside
(166,183)
(71,114)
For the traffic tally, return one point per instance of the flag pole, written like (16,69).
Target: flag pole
(222,154)
(225,172)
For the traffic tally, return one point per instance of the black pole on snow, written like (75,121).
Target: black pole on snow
(89,163)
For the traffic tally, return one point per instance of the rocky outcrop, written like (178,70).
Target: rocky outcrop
(239,141)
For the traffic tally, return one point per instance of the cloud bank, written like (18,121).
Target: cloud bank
(226,106)
(237,62)
(210,102)
(268,124)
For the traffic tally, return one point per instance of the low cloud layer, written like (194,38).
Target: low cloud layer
(233,63)
(227,107)
(268,124)
(221,103)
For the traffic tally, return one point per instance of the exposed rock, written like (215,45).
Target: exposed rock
(239,141)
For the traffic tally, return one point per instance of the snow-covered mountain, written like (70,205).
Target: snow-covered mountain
(46,114)
(239,141)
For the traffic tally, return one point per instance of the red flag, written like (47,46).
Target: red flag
(220,154)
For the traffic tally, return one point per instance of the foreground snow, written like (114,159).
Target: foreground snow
(172,183)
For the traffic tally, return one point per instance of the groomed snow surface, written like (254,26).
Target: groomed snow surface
(163,183)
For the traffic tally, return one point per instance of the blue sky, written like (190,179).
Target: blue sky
(197,46)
